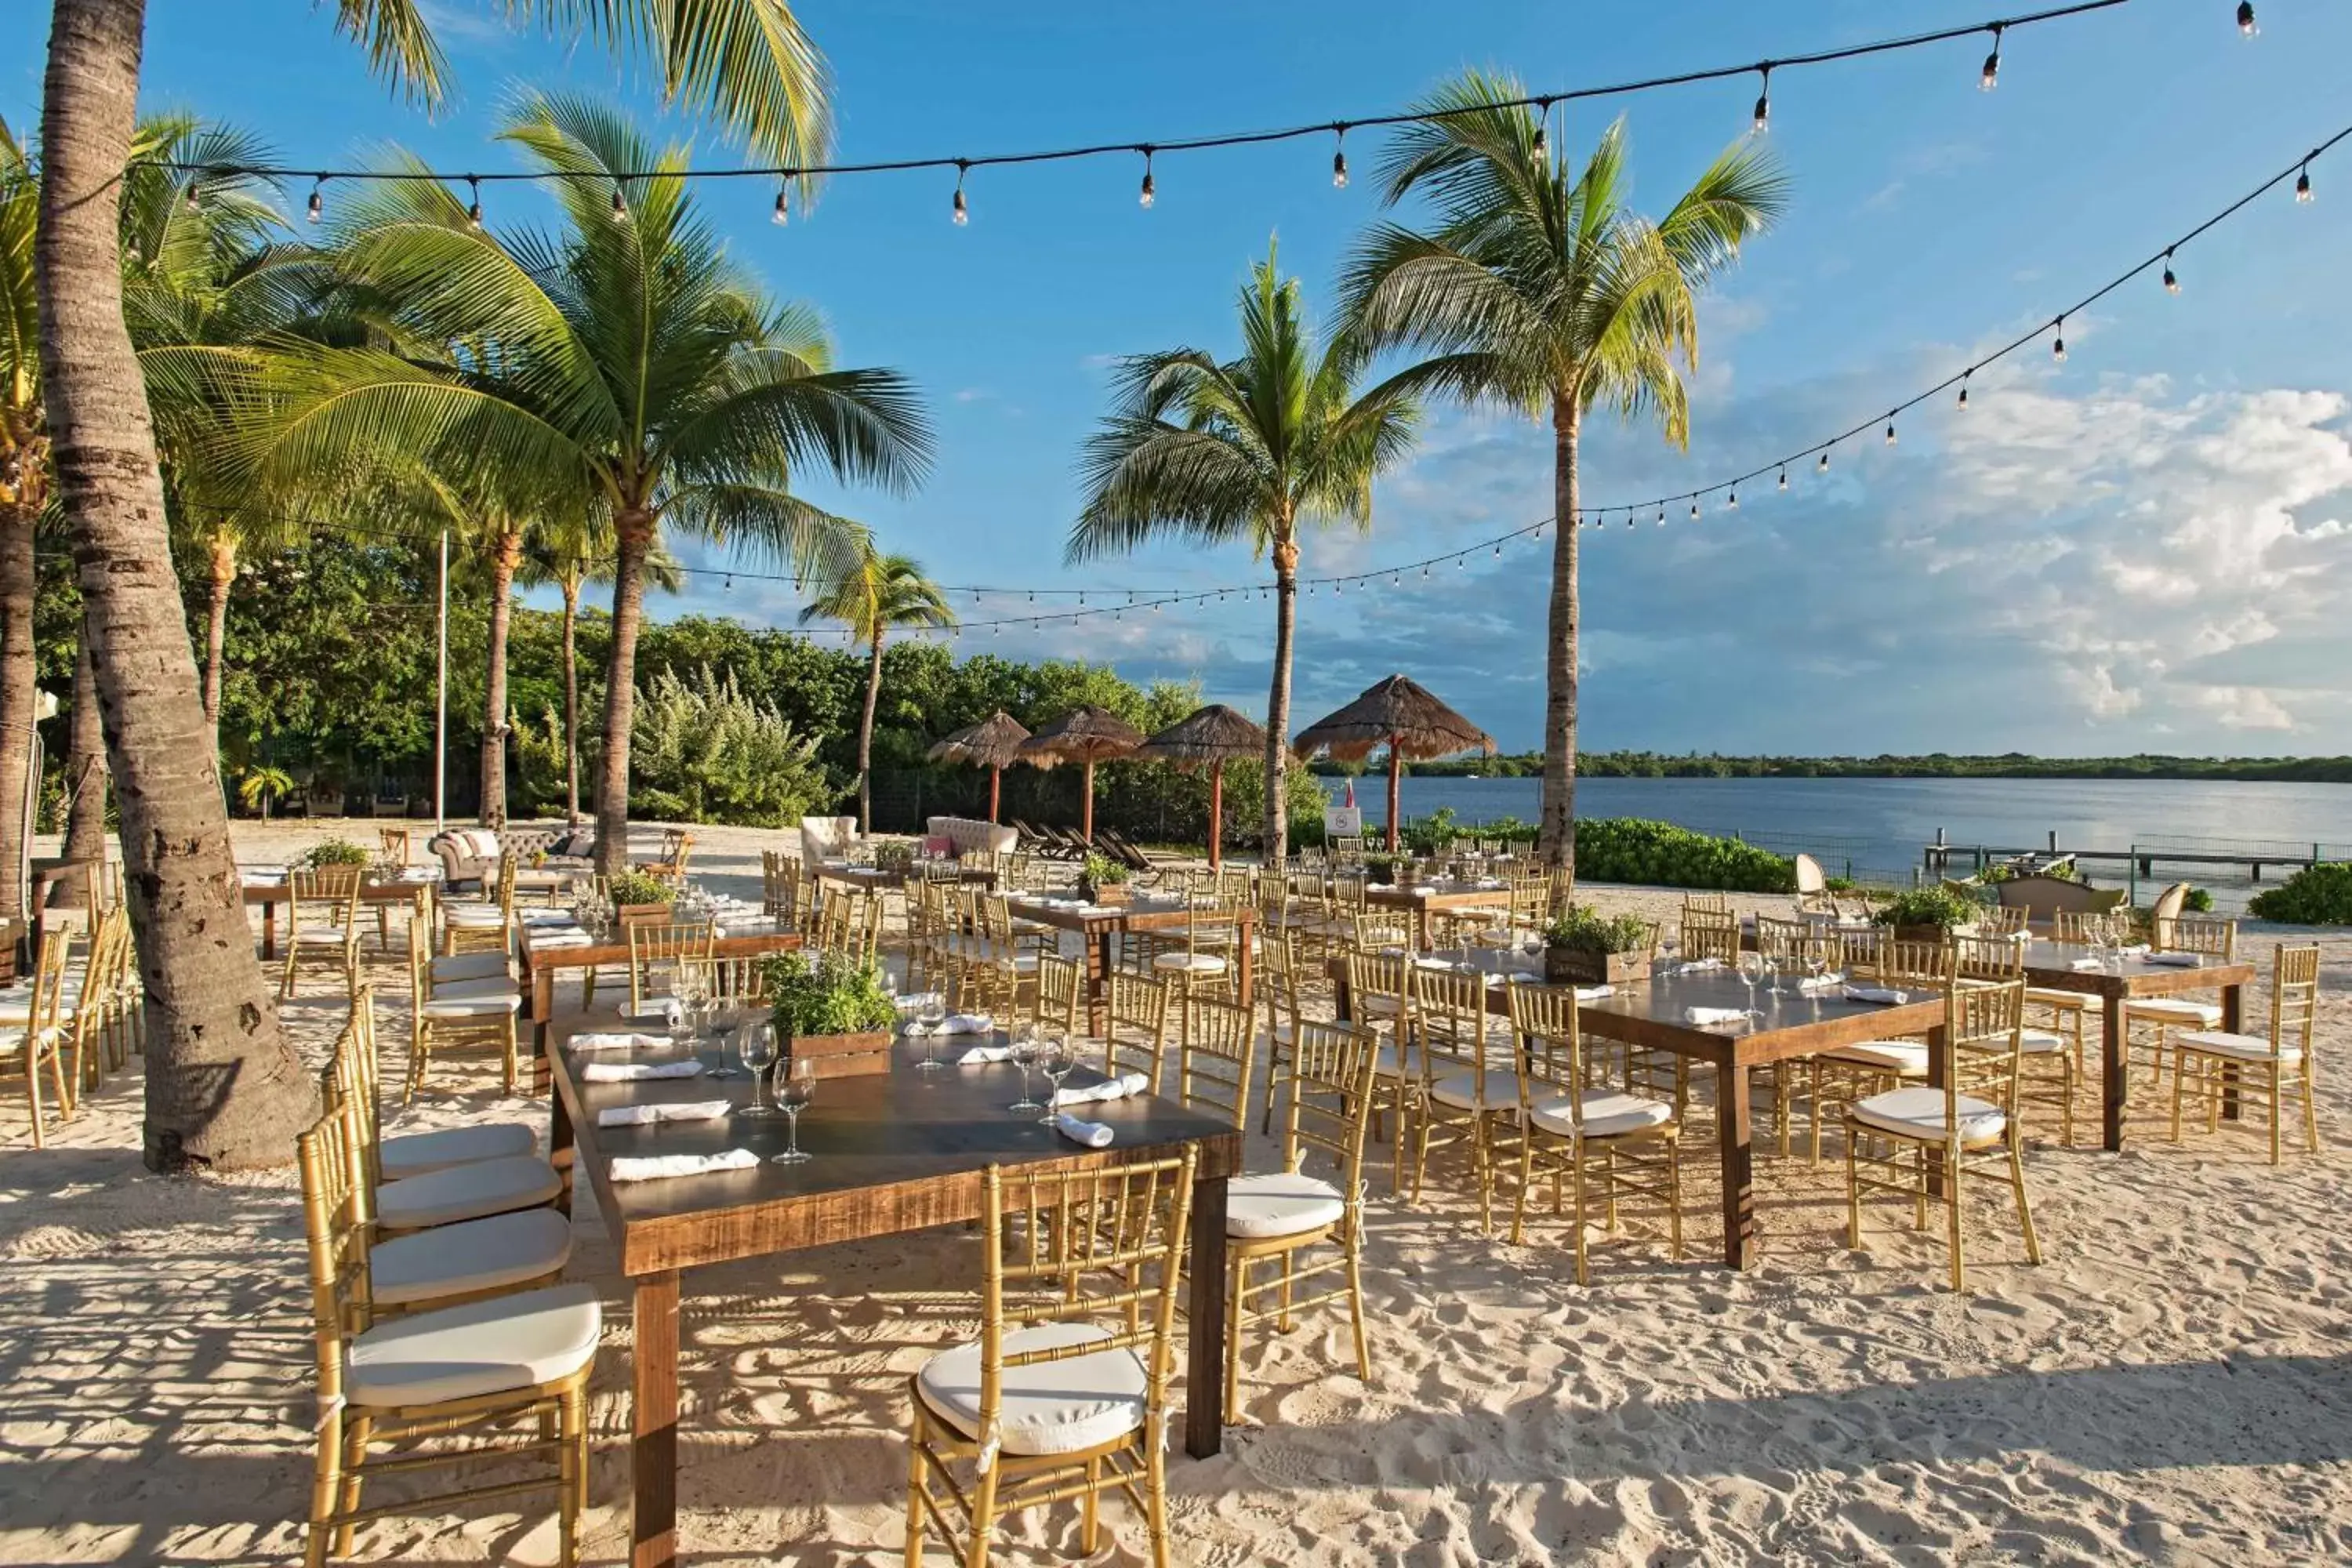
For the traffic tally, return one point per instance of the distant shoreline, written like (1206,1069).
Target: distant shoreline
(2009,766)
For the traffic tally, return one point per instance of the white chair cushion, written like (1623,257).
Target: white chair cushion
(1607,1115)
(2073,1000)
(473,917)
(1284,1035)
(466,1191)
(1385,1062)
(417,1154)
(1190,963)
(1050,1407)
(1284,1205)
(472,1006)
(473,990)
(2178,1010)
(1460,1090)
(322,936)
(1908,1058)
(471,966)
(2040,1042)
(462,1259)
(506,1344)
(1918,1113)
(2237,1048)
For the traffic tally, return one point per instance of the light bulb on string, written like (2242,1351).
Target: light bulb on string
(2303,183)
(1460,565)
(1823,465)
(1424,570)
(1693,510)
(1543,128)
(474,204)
(1890,429)
(2058,343)
(1144,196)
(2246,17)
(1732,504)
(1991,78)
(1964,388)
(620,206)
(1498,551)
(783,214)
(1784,476)
(1764,101)
(194,180)
(962,213)
(318,198)
(2171,283)
(1340,157)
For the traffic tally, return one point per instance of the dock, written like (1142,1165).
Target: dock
(2139,860)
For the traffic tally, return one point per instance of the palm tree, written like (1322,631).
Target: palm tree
(223,1088)
(1256,449)
(24,496)
(877,592)
(625,358)
(1539,292)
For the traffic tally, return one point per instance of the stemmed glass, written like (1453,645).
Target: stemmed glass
(758,1046)
(1054,1055)
(800,1088)
(1751,969)
(1817,965)
(1667,943)
(929,1017)
(1025,1053)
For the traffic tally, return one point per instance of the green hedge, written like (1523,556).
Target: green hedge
(1659,853)
(2316,896)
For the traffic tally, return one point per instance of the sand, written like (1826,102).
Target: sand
(2171,1385)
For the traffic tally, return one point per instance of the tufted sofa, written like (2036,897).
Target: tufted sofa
(825,838)
(471,854)
(968,837)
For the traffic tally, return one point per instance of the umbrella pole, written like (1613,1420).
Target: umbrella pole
(1396,770)
(1087,804)
(1216,812)
(995,783)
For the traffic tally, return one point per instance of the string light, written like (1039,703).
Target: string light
(1784,476)
(1764,101)
(1991,77)
(1732,504)
(191,195)
(2246,17)
(2303,183)
(1890,429)
(620,207)
(318,198)
(1824,465)
(962,213)
(784,205)
(1340,157)
(2171,284)
(1694,511)
(1543,130)
(1145,196)
(2058,343)
(474,205)
(1964,388)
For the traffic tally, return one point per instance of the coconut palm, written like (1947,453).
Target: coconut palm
(876,593)
(24,495)
(623,357)
(1258,448)
(223,1088)
(1540,291)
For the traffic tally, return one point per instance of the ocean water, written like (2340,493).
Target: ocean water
(1878,827)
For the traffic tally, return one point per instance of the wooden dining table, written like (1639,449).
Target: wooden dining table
(877,879)
(543,966)
(2050,965)
(1421,899)
(1099,927)
(890,1153)
(374,892)
(1650,1014)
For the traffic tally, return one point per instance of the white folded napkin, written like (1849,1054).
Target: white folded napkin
(609,1040)
(575,937)
(660,1010)
(1700,966)
(630,1072)
(656,1167)
(1109,1088)
(967,1024)
(2136,950)
(1707,1017)
(1093,1134)
(2179,960)
(981,1055)
(2088,965)
(1595,992)
(1875,994)
(1815,984)
(737,926)
(646,1115)
(550,918)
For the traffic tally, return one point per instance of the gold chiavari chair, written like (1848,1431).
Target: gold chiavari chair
(1215,1043)
(89,1018)
(1061,986)
(1101,1253)
(31,1036)
(440,1022)
(677,847)
(1276,982)
(2215,942)
(2000,919)
(2263,1069)
(2080,925)
(1710,933)
(780,885)
(927,931)
(1849,1073)
(1278,1217)
(1381,997)
(519,1357)
(1563,1125)
(1466,1080)
(1209,959)
(1967,1128)
(485,924)
(669,949)
(995,965)
(359,1074)
(1134,1017)
(2047,1071)
(322,924)
(1706,904)
(1383,931)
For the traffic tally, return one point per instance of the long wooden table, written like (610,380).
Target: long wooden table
(373,893)
(1422,898)
(1099,926)
(892,1152)
(542,965)
(1649,1013)
(2051,966)
(874,879)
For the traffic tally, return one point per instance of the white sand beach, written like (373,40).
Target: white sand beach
(2171,1384)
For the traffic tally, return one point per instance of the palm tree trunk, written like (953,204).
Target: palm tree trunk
(507,556)
(571,703)
(1275,847)
(223,1088)
(635,526)
(865,738)
(224,577)
(18,691)
(84,767)
(1557,832)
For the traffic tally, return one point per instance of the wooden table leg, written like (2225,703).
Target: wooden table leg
(1732,1111)
(2112,1068)
(653,1533)
(1098,947)
(1940,1075)
(2233,1008)
(1242,977)
(269,929)
(1205,1373)
(558,1144)
(542,1007)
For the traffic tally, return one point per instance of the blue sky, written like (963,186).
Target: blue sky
(2144,548)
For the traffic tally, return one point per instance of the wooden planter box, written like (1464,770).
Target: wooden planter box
(1106,893)
(1932,934)
(1576,966)
(842,1056)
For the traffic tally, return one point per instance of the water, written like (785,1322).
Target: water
(1875,828)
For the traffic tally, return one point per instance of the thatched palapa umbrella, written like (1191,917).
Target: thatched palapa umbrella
(1210,737)
(1085,734)
(1404,718)
(993,743)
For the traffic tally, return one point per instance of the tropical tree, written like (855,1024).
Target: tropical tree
(1540,291)
(876,593)
(1257,448)
(223,1086)
(24,496)
(626,351)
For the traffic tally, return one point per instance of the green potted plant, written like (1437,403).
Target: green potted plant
(1381,870)
(830,1009)
(334,852)
(1104,880)
(1584,947)
(634,892)
(1926,914)
(896,854)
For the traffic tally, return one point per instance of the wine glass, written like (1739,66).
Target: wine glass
(1817,965)
(1750,970)
(929,1018)
(800,1088)
(1055,1058)
(1025,1053)
(757,1044)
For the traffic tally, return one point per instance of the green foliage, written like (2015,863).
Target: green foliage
(335,852)
(827,995)
(1659,853)
(1586,929)
(1937,907)
(1103,871)
(2317,895)
(632,889)
(1886,765)
(1430,835)
(1382,868)
(703,752)
(2198,901)
(261,785)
